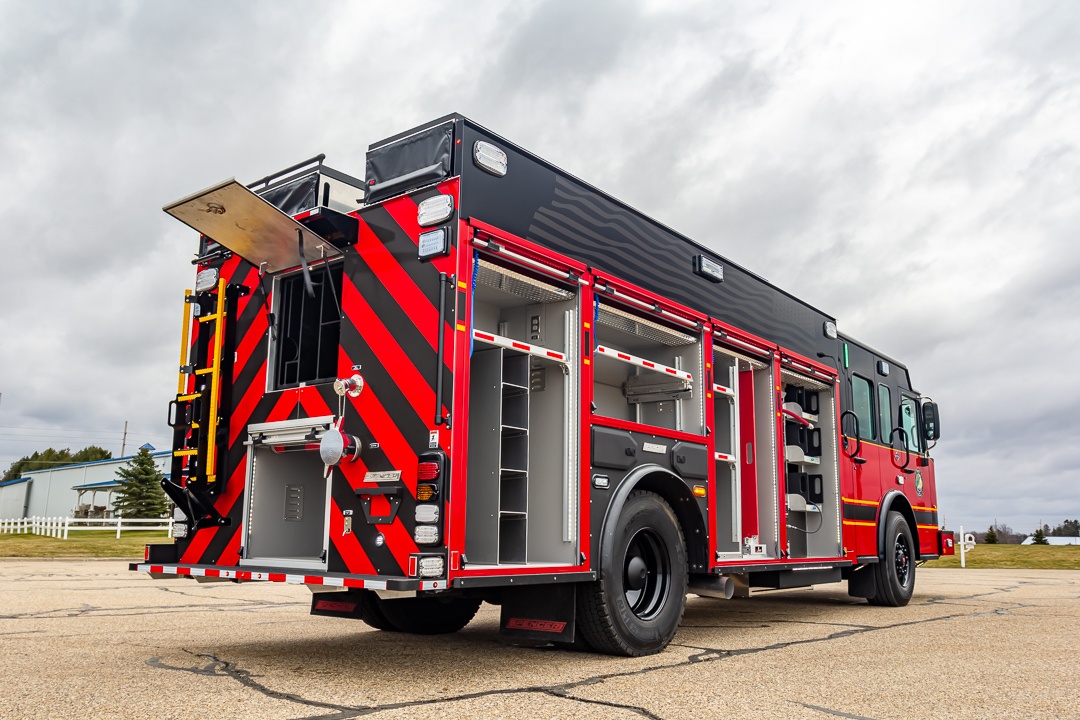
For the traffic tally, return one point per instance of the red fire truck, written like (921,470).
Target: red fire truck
(470,376)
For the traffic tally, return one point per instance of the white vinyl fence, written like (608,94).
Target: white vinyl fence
(59,527)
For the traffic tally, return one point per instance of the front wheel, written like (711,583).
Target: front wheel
(894,575)
(637,604)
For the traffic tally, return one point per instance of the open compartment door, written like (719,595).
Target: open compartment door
(252,228)
(287,497)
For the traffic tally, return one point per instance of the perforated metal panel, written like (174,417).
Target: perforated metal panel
(745,362)
(520,285)
(790,378)
(620,320)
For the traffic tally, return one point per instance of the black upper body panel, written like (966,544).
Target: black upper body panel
(541,203)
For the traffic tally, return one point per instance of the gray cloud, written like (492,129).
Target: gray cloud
(916,179)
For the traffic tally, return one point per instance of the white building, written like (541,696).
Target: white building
(1050,540)
(67,491)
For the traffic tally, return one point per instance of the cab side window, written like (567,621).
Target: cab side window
(909,420)
(885,412)
(862,403)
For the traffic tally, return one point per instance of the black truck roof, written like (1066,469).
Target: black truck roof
(549,206)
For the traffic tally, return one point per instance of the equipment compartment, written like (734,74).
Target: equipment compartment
(287,495)
(521,501)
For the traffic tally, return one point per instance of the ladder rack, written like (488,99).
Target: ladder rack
(209,391)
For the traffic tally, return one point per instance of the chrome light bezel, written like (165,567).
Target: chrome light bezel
(434,210)
(489,158)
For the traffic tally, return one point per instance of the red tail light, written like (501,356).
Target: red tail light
(427,471)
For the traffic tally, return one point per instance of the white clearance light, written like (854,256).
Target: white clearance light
(490,158)
(708,269)
(882,367)
(426,535)
(180,523)
(434,210)
(431,566)
(427,513)
(829,329)
(336,446)
(434,243)
(206,280)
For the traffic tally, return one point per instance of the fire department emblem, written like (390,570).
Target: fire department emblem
(918,482)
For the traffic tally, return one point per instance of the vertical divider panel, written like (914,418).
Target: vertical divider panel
(514,458)
(485,426)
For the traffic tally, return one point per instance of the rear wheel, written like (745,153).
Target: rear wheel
(428,615)
(636,605)
(371,612)
(894,576)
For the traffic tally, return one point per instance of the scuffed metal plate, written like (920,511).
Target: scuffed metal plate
(249,226)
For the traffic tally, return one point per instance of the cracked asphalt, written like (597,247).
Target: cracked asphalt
(88,639)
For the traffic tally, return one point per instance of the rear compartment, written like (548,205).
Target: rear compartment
(313,402)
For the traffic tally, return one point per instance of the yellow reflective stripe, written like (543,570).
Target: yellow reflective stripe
(927,527)
(875,503)
(864,441)
(860,523)
(924,508)
(181,453)
(181,383)
(215,386)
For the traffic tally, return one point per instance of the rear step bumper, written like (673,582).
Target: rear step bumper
(255,574)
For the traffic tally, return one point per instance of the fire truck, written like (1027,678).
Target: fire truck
(471,377)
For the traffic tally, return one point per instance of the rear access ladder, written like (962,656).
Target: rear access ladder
(195,414)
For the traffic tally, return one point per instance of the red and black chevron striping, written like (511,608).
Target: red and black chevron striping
(389,333)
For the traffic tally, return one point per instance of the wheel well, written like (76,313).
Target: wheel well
(676,494)
(897,501)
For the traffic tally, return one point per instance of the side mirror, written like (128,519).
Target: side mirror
(931,421)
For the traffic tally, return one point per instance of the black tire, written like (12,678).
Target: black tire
(894,576)
(429,615)
(578,644)
(372,614)
(637,604)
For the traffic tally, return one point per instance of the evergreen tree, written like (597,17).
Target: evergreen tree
(1039,538)
(140,494)
(991,536)
(52,458)
(1069,528)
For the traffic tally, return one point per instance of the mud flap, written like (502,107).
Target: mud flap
(539,614)
(338,604)
(861,582)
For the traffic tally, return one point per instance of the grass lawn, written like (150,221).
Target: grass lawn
(1032,557)
(82,544)
(103,544)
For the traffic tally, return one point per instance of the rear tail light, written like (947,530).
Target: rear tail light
(431,566)
(427,513)
(427,471)
(426,534)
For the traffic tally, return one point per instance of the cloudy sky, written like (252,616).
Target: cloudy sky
(912,169)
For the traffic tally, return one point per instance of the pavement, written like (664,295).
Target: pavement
(89,639)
